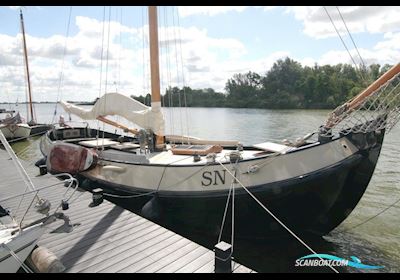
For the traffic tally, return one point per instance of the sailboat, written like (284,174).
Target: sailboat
(12,125)
(17,238)
(36,129)
(310,185)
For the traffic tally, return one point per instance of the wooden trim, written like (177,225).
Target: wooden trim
(197,141)
(356,102)
(201,152)
(374,86)
(113,123)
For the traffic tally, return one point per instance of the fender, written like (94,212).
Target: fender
(70,158)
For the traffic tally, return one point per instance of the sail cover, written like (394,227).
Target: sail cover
(124,106)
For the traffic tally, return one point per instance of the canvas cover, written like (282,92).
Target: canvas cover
(119,104)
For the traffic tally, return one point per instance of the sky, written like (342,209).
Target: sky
(79,53)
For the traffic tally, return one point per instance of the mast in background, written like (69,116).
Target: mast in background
(32,119)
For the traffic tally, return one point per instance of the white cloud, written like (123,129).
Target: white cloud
(377,19)
(81,66)
(392,41)
(202,55)
(208,62)
(268,8)
(382,56)
(219,73)
(185,11)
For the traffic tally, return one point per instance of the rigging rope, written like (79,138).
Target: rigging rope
(59,93)
(106,81)
(177,72)
(183,74)
(344,44)
(273,216)
(351,37)
(231,190)
(101,70)
(144,58)
(225,212)
(119,51)
(26,98)
(162,56)
(168,75)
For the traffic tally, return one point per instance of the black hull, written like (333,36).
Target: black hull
(315,203)
(40,129)
(355,184)
(298,202)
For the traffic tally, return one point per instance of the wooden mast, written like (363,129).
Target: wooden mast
(154,67)
(27,66)
(154,58)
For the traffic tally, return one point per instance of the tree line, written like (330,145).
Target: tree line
(287,85)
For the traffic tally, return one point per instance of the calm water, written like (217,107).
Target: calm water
(376,242)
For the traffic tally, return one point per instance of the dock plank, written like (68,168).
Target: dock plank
(197,263)
(116,252)
(105,238)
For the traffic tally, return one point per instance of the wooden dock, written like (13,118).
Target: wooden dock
(107,238)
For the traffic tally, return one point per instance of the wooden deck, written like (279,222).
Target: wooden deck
(105,238)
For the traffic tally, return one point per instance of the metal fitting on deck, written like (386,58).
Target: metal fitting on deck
(235,156)
(211,157)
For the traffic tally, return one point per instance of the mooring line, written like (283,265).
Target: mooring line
(276,218)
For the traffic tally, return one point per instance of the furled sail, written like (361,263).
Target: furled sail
(124,106)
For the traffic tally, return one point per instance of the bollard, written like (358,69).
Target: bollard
(64,205)
(43,169)
(97,197)
(223,258)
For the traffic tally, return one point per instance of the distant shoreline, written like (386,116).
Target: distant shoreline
(85,103)
(45,102)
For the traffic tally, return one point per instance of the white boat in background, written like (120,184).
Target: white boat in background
(12,126)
